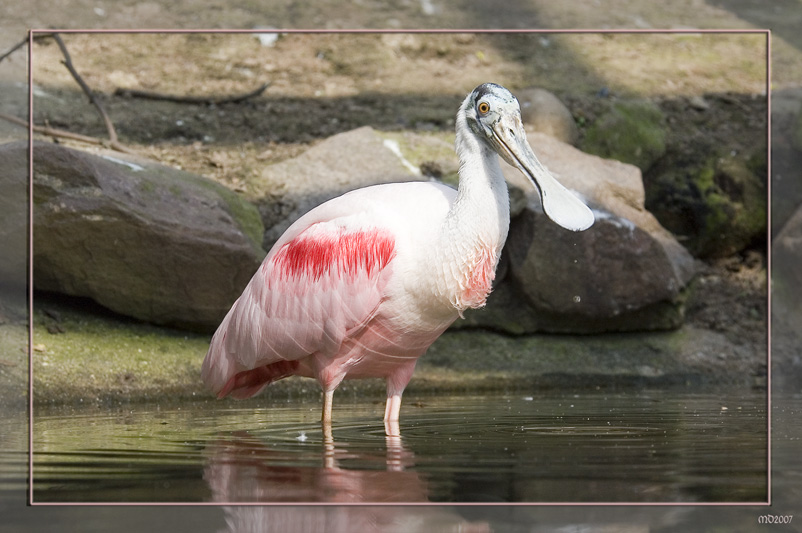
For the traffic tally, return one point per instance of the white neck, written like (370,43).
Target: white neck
(476,226)
(482,193)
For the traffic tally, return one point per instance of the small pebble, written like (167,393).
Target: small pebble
(698,103)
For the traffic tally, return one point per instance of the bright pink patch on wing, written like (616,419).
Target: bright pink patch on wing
(347,251)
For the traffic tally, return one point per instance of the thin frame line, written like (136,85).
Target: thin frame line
(31,34)
(768,253)
(30,266)
(415,31)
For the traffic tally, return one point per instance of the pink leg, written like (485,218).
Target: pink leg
(396,383)
(328,397)
(329,377)
(391,413)
(325,420)
(393,408)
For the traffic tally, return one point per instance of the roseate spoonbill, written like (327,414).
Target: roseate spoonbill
(363,284)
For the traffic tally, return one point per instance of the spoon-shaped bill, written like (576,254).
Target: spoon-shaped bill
(559,204)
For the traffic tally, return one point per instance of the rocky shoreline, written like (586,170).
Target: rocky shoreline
(642,311)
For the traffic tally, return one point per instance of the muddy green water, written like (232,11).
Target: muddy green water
(637,446)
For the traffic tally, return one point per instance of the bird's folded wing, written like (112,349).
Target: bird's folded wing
(309,293)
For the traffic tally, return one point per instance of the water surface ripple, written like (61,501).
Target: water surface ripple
(644,446)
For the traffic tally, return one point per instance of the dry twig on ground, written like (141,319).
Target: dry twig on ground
(192,99)
(85,88)
(64,134)
(22,43)
(113,141)
(13,49)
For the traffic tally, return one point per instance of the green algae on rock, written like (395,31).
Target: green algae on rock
(631,131)
(718,209)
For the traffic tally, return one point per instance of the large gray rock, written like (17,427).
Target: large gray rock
(612,277)
(624,273)
(346,161)
(141,239)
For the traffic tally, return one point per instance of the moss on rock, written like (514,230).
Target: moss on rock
(719,208)
(631,131)
(165,180)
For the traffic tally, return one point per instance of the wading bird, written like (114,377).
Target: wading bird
(363,284)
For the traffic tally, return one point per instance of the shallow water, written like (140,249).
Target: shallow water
(638,446)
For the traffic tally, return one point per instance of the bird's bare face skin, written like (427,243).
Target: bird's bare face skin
(496,117)
(491,105)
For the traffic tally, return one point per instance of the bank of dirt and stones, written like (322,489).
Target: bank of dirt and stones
(231,142)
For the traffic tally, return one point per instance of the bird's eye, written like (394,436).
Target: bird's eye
(483,108)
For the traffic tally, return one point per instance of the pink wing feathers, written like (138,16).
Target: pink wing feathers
(310,293)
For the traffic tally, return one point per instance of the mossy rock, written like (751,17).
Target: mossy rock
(144,240)
(631,131)
(717,209)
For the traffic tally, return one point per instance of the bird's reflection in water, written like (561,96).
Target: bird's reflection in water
(242,468)
(355,518)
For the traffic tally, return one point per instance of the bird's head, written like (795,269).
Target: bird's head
(494,117)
